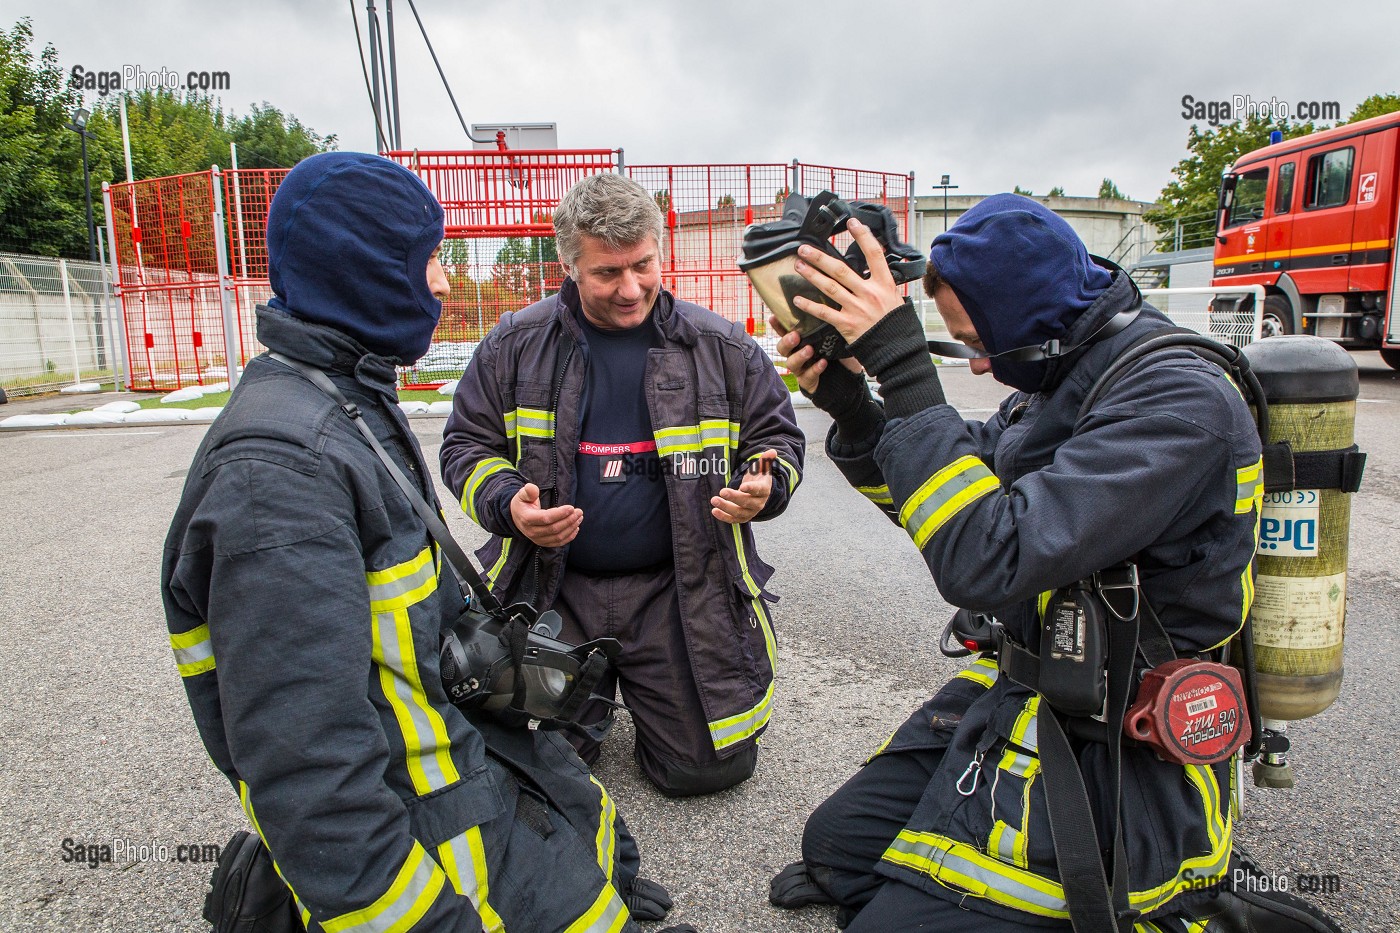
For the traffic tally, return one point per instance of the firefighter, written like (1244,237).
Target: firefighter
(948,825)
(617,443)
(305,601)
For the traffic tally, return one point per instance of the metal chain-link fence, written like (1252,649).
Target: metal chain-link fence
(57,325)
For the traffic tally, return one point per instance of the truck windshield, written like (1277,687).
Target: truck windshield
(1248,202)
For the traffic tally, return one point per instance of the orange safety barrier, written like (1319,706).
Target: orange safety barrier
(499,253)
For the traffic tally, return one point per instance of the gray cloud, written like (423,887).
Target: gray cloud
(996,94)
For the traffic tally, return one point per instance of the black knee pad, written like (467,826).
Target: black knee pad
(678,779)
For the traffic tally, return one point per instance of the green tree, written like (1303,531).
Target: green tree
(1374,106)
(41,174)
(1192,195)
(1107,189)
(725,200)
(1056,192)
(267,138)
(1023,191)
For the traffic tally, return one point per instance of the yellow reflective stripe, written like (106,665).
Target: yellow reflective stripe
(982,671)
(1026,730)
(943,495)
(694,437)
(1204,869)
(483,471)
(732,729)
(607,829)
(1007,843)
(415,887)
(1249,487)
(607,915)
(500,562)
(726,732)
(245,799)
(794,476)
(403,585)
(1042,601)
(883,745)
(880,495)
(534,422)
(427,747)
(508,418)
(1022,766)
(194,651)
(464,860)
(982,875)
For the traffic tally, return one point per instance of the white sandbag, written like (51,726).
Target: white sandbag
(204,414)
(448,388)
(35,420)
(81,388)
(119,408)
(440,408)
(187,394)
(414,408)
(157,416)
(97,417)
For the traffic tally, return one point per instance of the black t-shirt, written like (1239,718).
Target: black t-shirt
(620,486)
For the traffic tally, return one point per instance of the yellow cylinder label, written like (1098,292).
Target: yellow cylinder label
(1299,612)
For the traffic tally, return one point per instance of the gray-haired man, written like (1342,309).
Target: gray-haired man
(616,442)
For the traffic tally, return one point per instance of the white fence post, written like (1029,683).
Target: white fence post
(231,335)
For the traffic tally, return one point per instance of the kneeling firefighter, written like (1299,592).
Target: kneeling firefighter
(307,605)
(1106,536)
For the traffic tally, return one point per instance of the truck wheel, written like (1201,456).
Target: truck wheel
(1277,317)
(1391,357)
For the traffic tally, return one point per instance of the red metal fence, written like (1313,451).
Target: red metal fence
(499,254)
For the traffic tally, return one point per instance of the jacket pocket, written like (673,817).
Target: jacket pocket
(475,799)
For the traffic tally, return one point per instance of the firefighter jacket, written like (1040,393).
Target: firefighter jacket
(305,601)
(716,402)
(1165,468)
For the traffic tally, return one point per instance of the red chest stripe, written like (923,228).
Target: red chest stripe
(604,450)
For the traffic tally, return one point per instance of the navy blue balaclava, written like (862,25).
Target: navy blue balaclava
(349,236)
(1022,274)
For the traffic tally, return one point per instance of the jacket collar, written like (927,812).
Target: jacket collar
(1119,296)
(673,326)
(325,348)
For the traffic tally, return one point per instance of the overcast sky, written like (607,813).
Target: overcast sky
(995,93)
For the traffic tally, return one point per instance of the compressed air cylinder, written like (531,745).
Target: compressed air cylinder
(1300,590)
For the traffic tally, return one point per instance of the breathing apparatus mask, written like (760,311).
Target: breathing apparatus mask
(510,662)
(769,259)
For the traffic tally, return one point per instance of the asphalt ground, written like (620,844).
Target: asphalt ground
(97,745)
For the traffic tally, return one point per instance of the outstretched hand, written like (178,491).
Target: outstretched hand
(736,506)
(554,527)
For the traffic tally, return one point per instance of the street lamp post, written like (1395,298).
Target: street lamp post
(945,186)
(79,126)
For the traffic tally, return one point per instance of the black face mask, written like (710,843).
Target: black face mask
(770,259)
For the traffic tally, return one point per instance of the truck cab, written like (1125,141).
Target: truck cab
(1313,220)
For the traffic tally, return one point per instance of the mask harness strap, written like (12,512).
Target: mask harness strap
(456,557)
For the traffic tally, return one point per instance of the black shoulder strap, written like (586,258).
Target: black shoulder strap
(456,557)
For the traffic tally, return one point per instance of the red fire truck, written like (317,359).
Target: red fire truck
(1313,220)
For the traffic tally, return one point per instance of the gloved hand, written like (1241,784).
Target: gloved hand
(648,900)
(896,353)
(794,887)
(844,396)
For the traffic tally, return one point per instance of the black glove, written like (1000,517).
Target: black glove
(648,900)
(679,928)
(895,351)
(843,395)
(795,887)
